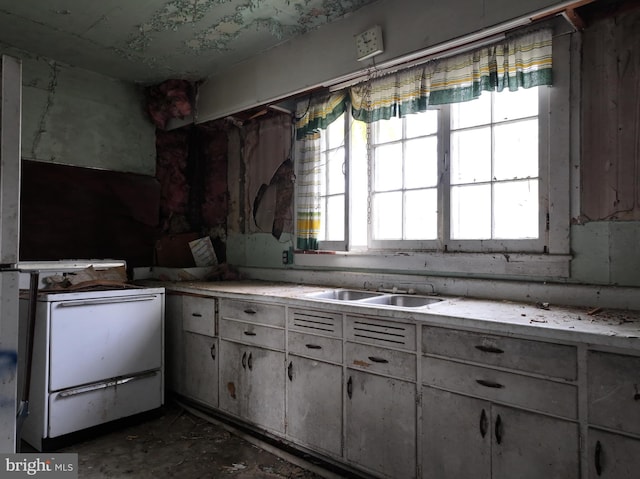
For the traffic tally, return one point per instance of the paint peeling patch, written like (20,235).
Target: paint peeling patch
(362,364)
(8,364)
(231,387)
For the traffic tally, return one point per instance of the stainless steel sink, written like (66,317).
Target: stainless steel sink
(344,295)
(403,300)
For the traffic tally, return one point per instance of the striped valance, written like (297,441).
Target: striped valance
(317,113)
(517,62)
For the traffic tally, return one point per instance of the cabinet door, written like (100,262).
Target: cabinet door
(456,436)
(314,404)
(381,424)
(612,456)
(533,446)
(201,368)
(252,384)
(173,348)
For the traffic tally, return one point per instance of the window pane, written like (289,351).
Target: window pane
(421,124)
(421,214)
(471,113)
(335,218)
(471,212)
(335,133)
(388,167)
(516,150)
(471,155)
(387,130)
(387,214)
(335,169)
(516,209)
(509,105)
(421,163)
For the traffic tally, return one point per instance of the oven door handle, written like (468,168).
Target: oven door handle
(104,385)
(91,302)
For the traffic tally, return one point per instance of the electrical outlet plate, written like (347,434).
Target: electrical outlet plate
(369,43)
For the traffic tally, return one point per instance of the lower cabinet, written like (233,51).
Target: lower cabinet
(314,404)
(252,384)
(201,367)
(381,424)
(613,456)
(468,437)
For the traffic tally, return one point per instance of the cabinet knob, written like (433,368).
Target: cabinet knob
(489,384)
(598,458)
(498,430)
(483,423)
(489,349)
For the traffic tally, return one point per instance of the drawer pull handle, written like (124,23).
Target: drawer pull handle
(244,360)
(249,333)
(636,397)
(250,311)
(213,351)
(313,346)
(196,315)
(250,362)
(350,387)
(290,371)
(489,349)
(483,423)
(489,384)
(598,458)
(499,429)
(376,359)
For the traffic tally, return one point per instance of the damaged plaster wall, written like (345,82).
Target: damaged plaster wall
(75,117)
(606,234)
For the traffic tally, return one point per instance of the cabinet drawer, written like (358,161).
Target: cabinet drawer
(383,361)
(316,322)
(252,311)
(381,332)
(199,315)
(614,391)
(527,392)
(318,347)
(538,357)
(256,334)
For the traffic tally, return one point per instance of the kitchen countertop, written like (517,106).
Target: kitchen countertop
(597,326)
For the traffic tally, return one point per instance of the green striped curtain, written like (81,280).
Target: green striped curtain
(312,115)
(522,61)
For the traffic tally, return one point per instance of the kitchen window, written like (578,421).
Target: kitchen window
(410,186)
(460,177)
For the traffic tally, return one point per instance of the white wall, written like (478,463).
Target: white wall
(327,53)
(76,117)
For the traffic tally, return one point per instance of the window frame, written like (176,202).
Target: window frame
(561,134)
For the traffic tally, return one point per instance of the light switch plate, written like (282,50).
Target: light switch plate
(369,43)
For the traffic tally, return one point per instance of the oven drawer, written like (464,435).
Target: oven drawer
(101,338)
(79,408)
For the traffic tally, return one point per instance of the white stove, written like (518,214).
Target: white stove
(97,356)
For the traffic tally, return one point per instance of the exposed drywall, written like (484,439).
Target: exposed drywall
(74,117)
(327,53)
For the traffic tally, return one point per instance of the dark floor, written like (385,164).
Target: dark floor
(180,444)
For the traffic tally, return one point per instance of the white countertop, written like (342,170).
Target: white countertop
(599,327)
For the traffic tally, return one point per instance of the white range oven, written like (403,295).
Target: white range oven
(97,356)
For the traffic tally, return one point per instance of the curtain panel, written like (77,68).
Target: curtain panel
(311,116)
(519,62)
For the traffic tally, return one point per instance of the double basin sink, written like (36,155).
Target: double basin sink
(375,298)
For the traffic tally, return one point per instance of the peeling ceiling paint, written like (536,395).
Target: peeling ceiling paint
(148,41)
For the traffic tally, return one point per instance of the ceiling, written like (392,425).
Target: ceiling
(148,41)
